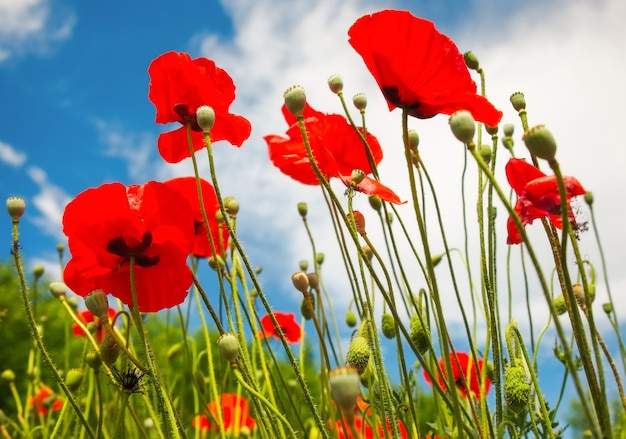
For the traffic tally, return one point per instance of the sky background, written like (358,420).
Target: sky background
(74,111)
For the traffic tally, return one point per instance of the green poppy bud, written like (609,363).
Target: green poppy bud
(305,309)
(509,129)
(471,61)
(485,153)
(295,100)
(74,378)
(608,308)
(350,318)
(335,83)
(93,360)
(216,262)
(358,353)
(518,101)
(360,101)
(232,206)
(16,207)
(389,326)
(173,351)
(516,388)
(540,142)
(435,260)
(205,116)
(302,209)
(319,258)
(345,386)
(463,126)
(414,140)
(375,202)
(7,376)
(109,350)
(420,334)
(303,264)
(559,305)
(229,346)
(38,271)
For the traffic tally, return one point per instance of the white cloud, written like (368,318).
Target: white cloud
(32,26)
(50,201)
(10,156)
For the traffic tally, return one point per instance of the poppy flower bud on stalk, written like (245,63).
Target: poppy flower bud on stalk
(97,303)
(485,153)
(420,334)
(16,207)
(579,293)
(360,101)
(305,309)
(375,202)
(540,142)
(463,126)
(295,100)
(205,117)
(559,305)
(345,386)
(335,82)
(350,318)
(74,379)
(38,271)
(58,289)
(93,360)
(303,264)
(516,388)
(301,281)
(358,222)
(388,326)
(414,140)
(302,209)
(518,101)
(232,206)
(314,280)
(608,308)
(216,262)
(229,346)
(358,353)
(471,61)
(319,258)
(109,350)
(7,376)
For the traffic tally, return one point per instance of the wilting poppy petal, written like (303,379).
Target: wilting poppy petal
(416,67)
(287,322)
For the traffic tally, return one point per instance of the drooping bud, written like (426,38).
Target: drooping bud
(516,388)
(16,207)
(414,140)
(38,271)
(540,142)
(579,293)
(305,309)
(109,350)
(388,326)
(420,334)
(97,303)
(58,289)
(358,353)
(357,176)
(471,61)
(229,346)
(314,280)
(350,318)
(518,101)
(588,197)
(367,251)
(303,264)
(559,305)
(205,116)
(7,376)
(463,126)
(74,378)
(375,202)
(360,101)
(345,386)
(216,262)
(295,100)
(301,281)
(485,153)
(93,360)
(302,209)
(232,206)
(335,83)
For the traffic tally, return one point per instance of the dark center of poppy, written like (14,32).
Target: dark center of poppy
(118,246)
(186,116)
(198,227)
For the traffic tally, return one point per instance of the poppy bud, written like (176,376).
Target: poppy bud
(302,209)
(388,326)
(471,61)
(357,176)
(588,198)
(303,264)
(414,139)
(369,254)
(305,309)
(540,142)
(463,126)
(97,303)
(345,386)
(492,131)
(485,153)
(579,293)
(314,280)
(216,262)
(58,289)
(358,353)
(232,206)
(350,318)
(559,305)
(335,82)
(93,360)
(509,129)
(301,281)
(205,117)
(295,100)
(360,101)
(109,350)
(420,334)
(375,202)
(173,351)
(608,308)
(16,207)
(435,260)
(358,221)
(8,376)
(74,378)
(516,388)
(38,271)
(518,101)
(228,346)
(319,258)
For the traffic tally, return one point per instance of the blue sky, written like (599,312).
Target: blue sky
(74,111)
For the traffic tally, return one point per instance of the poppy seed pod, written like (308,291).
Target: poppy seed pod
(205,117)
(345,386)
(516,388)
(16,207)
(295,100)
(97,303)
(360,101)
(58,289)
(463,126)
(357,176)
(350,318)
(358,353)
(508,129)
(540,142)
(335,83)
(38,271)
(518,101)
(229,346)
(302,209)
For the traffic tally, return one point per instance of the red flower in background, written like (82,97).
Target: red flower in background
(365,429)
(45,400)
(417,68)
(107,225)
(178,86)
(87,317)
(188,189)
(464,373)
(538,196)
(287,323)
(235,413)
(337,148)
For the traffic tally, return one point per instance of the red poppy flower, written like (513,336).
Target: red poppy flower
(87,317)
(287,323)
(365,429)
(178,86)
(202,246)
(235,414)
(337,148)
(538,196)
(369,186)
(417,68)
(107,225)
(465,377)
(45,400)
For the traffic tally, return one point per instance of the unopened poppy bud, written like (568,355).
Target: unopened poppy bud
(219,217)
(463,126)
(389,217)
(173,351)
(588,198)
(350,318)
(74,378)
(516,388)
(375,202)
(319,258)
(72,301)
(301,281)
(435,260)
(471,61)
(305,308)
(358,221)
(205,116)
(485,153)
(508,129)
(303,264)
(232,206)
(357,176)
(314,280)
(358,353)
(7,376)
(216,262)
(93,360)
(335,83)
(302,209)
(367,251)
(540,142)
(388,325)
(295,100)
(258,269)
(345,386)
(559,305)
(492,131)
(579,293)
(16,207)
(97,303)
(92,327)
(420,334)
(608,308)
(414,139)
(518,101)
(60,248)
(360,101)
(109,350)
(58,289)
(38,271)
(228,346)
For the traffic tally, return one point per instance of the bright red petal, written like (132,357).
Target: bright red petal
(288,324)
(370,186)
(519,173)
